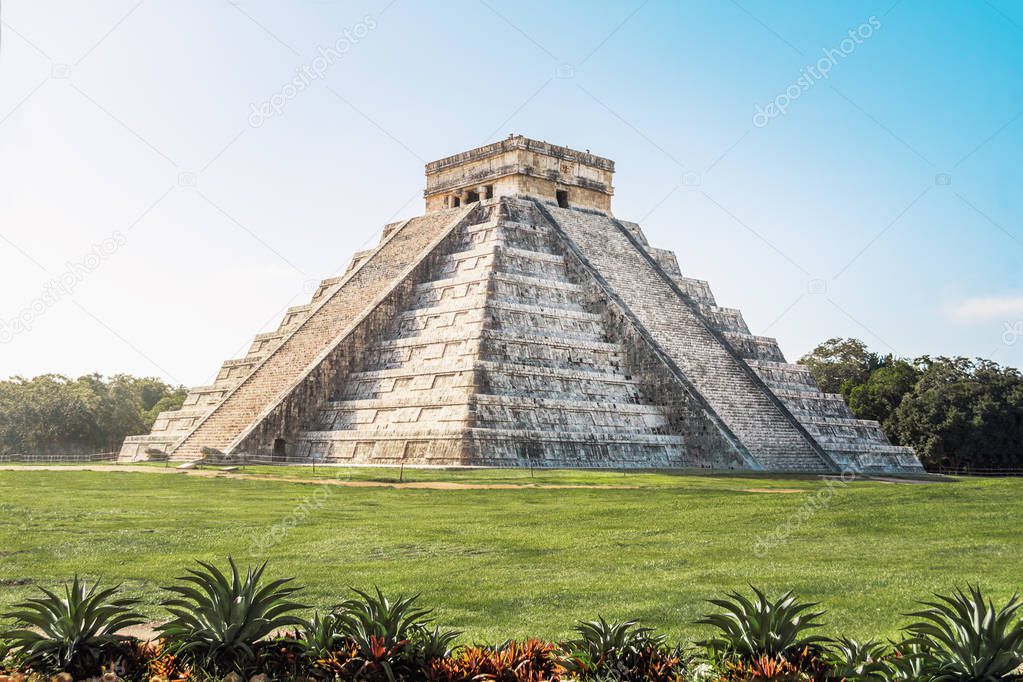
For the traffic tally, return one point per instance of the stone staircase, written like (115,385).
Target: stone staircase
(748,409)
(498,362)
(215,416)
(173,425)
(856,444)
(850,443)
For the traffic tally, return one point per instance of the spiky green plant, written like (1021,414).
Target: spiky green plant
(602,638)
(5,652)
(964,637)
(217,620)
(753,628)
(74,633)
(390,622)
(428,645)
(382,631)
(320,635)
(608,648)
(906,664)
(853,660)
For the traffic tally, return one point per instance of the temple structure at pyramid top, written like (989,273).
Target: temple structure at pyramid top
(519,166)
(519,323)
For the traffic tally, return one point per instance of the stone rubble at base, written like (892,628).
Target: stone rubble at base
(518,323)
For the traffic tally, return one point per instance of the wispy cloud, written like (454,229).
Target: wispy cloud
(987,308)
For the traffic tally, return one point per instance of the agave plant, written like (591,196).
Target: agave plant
(428,645)
(75,633)
(604,647)
(602,638)
(5,652)
(964,637)
(383,631)
(853,660)
(390,622)
(753,628)
(217,620)
(320,636)
(907,664)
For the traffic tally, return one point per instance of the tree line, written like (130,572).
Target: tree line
(956,412)
(52,414)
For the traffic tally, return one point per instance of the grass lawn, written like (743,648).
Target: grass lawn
(507,562)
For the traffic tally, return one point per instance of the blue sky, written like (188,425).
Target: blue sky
(150,223)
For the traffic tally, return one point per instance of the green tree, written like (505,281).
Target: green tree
(963,414)
(838,365)
(883,390)
(52,414)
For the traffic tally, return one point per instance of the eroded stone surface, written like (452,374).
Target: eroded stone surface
(526,326)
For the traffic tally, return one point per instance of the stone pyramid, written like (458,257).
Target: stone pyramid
(518,323)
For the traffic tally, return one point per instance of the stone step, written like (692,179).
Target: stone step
(518,413)
(493,447)
(874,458)
(178,421)
(550,351)
(237,370)
(455,341)
(500,248)
(453,406)
(476,312)
(784,376)
(829,432)
(814,403)
(697,289)
(506,287)
(499,378)
(393,446)
(538,320)
(208,395)
(294,317)
(725,319)
(886,449)
(522,235)
(438,409)
(505,447)
(134,447)
(509,378)
(573,436)
(752,347)
(378,384)
(436,353)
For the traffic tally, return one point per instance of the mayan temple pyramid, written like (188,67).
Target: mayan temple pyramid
(518,323)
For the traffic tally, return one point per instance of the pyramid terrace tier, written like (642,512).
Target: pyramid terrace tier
(496,448)
(503,287)
(495,378)
(450,407)
(499,314)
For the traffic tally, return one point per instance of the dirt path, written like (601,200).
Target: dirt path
(211,473)
(411,485)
